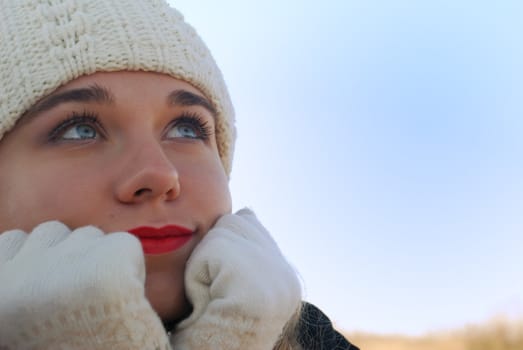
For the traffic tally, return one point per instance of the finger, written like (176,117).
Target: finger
(250,218)
(245,223)
(82,238)
(10,244)
(123,243)
(245,212)
(233,223)
(126,250)
(45,236)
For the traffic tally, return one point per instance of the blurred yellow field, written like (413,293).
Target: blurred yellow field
(496,335)
(372,342)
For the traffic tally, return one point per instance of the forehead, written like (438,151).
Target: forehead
(122,81)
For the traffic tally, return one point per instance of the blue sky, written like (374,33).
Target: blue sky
(380,142)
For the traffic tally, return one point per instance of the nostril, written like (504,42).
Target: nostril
(140,192)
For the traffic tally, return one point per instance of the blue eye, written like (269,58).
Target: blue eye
(189,126)
(82,126)
(184,130)
(80,132)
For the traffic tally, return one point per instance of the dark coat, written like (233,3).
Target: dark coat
(315,331)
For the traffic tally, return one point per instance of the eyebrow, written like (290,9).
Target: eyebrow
(187,99)
(101,95)
(93,93)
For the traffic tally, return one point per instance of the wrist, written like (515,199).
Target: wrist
(129,323)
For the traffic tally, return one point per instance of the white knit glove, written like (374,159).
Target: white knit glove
(74,290)
(242,289)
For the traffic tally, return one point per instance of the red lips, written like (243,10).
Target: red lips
(162,240)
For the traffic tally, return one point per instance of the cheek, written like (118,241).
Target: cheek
(25,195)
(207,190)
(39,193)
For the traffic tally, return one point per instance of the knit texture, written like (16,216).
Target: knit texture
(45,44)
(128,324)
(242,289)
(75,290)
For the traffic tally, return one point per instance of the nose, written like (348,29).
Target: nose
(148,175)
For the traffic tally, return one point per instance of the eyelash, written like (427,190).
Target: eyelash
(74,118)
(204,131)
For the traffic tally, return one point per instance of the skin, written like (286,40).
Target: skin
(134,168)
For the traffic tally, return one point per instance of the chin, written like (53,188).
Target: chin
(165,291)
(170,310)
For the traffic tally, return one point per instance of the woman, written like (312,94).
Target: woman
(117,140)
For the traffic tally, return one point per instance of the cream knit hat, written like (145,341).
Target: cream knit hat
(47,43)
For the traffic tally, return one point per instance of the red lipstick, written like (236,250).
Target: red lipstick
(163,239)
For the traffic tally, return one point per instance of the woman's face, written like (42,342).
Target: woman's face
(119,150)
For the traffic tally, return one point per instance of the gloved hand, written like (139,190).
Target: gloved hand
(75,290)
(242,289)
